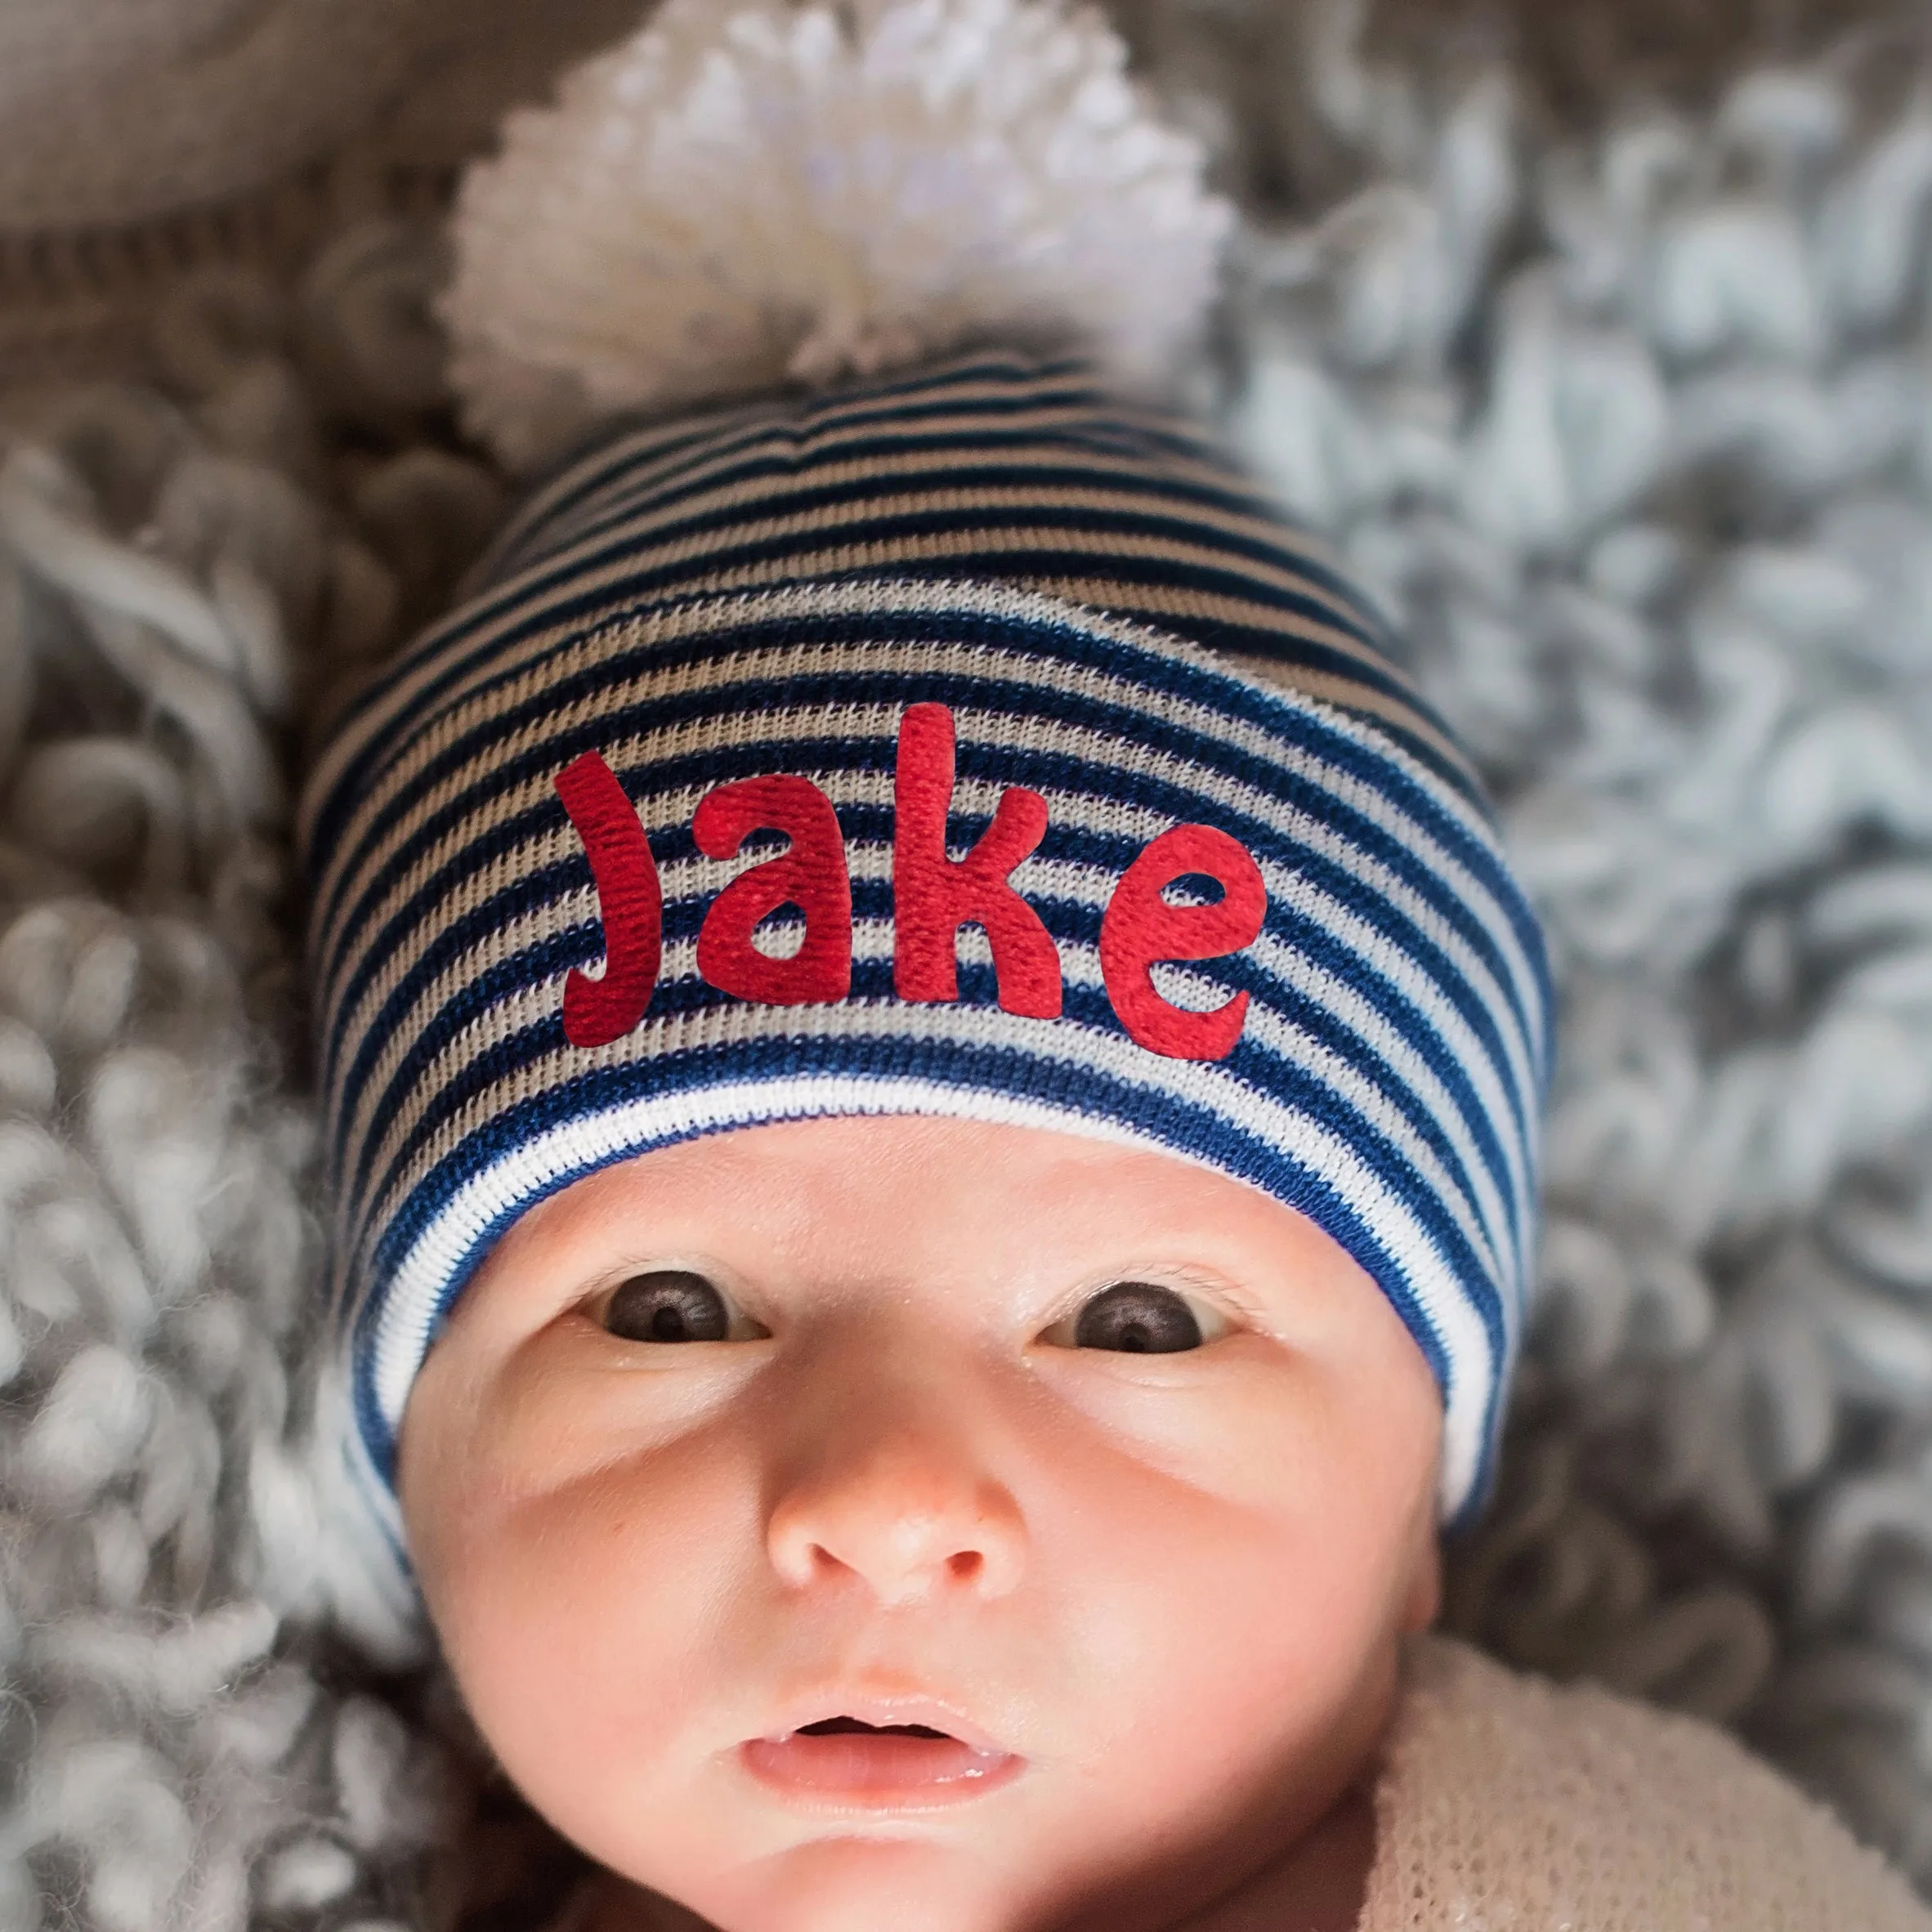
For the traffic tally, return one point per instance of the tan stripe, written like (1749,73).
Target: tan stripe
(458,709)
(785,428)
(532,661)
(764,500)
(970,543)
(497,807)
(1348,696)
(782,435)
(536,1001)
(757,497)
(485,665)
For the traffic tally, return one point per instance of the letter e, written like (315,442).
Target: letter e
(1140,927)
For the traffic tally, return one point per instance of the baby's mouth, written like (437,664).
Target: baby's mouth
(834,1727)
(850,1761)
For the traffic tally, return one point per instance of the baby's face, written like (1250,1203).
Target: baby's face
(1118,1473)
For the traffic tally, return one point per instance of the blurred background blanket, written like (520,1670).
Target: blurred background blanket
(1594,334)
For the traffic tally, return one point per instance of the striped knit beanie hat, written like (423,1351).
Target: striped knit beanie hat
(941,732)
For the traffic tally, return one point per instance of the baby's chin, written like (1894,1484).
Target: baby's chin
(864,1879)
(848,1884)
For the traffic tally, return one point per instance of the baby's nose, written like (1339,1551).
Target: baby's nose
(910,1514)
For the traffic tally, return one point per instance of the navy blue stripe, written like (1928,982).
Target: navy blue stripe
(1000,558)
(761,427)
(800,421)
(1111,423)
(952,1063)
(1096,448)
(774,633)
(1093,419)
(1098,1092)
(1132,515)
(586,518)
(1176,800)
(817,754)
(565,593)
(984,461)
(613,469)
(335,815)
(1064,459)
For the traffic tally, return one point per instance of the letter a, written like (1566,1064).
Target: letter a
(630,899)
(933,896)
(811,876)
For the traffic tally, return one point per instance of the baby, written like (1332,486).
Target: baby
(940,1502)
(932,1071)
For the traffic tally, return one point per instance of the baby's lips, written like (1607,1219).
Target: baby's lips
(883,1767)
(888,1763)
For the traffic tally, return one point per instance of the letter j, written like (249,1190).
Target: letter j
(630,899)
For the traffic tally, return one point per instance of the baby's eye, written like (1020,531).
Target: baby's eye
(1135,1318)
(670,1304)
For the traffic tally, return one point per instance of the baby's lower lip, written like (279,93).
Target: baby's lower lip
(877,1766)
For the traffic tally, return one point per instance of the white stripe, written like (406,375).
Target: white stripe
(686,880)
(1420,1263)
(555,661)
(525,596)
(404,1328)
(1081,965)
(1352,932)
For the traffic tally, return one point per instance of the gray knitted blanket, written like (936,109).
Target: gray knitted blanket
(1602,353)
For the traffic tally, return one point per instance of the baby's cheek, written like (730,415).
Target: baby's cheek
(1235,1537)
(573,1550)
(1233,1651)
(1297,1438)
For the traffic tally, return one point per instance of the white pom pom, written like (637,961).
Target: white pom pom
(753,192)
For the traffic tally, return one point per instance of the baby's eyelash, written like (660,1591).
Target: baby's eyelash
(1223,1294)
(1216,1290)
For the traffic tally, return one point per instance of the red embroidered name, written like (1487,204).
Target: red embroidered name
(933,896)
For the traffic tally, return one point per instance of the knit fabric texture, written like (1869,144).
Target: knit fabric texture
(1509,1801)
(944,634)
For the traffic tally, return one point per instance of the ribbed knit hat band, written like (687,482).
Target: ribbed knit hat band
(873,754)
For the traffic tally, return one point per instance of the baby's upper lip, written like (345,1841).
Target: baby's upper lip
(880,1707)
